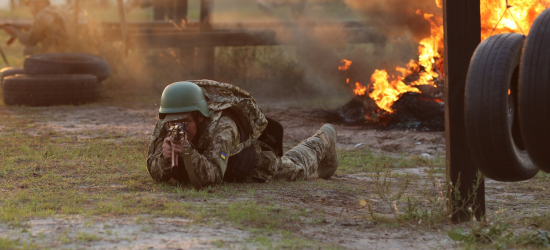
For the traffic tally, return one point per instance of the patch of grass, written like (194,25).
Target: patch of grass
(288,241)
(364,160)
(541,221)
(9,244)
(500,236)
(86,237)
(44,175)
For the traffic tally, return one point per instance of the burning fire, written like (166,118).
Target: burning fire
(387,89)
(517,16)
(514,15)
(359,89)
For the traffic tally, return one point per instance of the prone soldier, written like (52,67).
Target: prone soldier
(223,124)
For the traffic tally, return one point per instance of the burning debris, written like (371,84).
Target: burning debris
(413,99)
(421,109)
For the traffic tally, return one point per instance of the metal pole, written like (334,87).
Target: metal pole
(123,29)
(462,35)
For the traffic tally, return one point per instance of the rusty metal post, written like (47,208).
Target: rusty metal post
(206,56)
(462,35)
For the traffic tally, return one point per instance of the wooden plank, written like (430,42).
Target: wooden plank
(462,35)
(236,24)
(202,39)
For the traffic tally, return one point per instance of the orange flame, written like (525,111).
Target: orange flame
(346,65)
(517,16)
(386,91)
(359,89)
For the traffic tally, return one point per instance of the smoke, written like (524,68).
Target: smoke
(395,18)
(307,61)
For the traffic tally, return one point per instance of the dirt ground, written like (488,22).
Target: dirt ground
(339,204)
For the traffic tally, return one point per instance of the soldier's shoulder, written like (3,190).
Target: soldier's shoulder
(48,14)
(227,121)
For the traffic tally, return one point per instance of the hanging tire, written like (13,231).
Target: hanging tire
(534,92)
(492,122)
(9,71)
(46,90)
(67,63)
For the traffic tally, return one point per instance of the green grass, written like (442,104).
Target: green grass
(53,174)
(364,160)
(9,244)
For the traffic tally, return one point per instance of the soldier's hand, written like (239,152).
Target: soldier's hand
(167,147)
(9,29)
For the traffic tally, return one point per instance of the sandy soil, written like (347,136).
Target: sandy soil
(100,121)
(349,231)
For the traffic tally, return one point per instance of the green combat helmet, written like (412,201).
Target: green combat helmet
(182,97)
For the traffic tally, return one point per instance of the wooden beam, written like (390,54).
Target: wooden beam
(182,10)
(206,55)
(186,53)
(164,38)
(462,35)
(123,29)
(202,39)
(159,10)
(76,14)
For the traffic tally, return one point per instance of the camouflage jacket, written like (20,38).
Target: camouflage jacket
(218,136)
(48,29)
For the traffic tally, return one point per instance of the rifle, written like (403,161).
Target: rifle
(19,26)
(179,132)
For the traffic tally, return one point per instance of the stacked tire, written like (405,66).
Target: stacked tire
(55,79)
(507,103)
(534,92)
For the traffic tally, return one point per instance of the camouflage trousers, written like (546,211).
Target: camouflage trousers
(296,164)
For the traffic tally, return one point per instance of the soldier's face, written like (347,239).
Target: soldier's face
(191,127)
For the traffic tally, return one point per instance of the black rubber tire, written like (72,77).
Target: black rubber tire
(67,63)
(9,71)
(534,92)
(46,90)
(492,123)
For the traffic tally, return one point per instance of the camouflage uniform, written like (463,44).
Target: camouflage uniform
(220,133)
(48,29)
